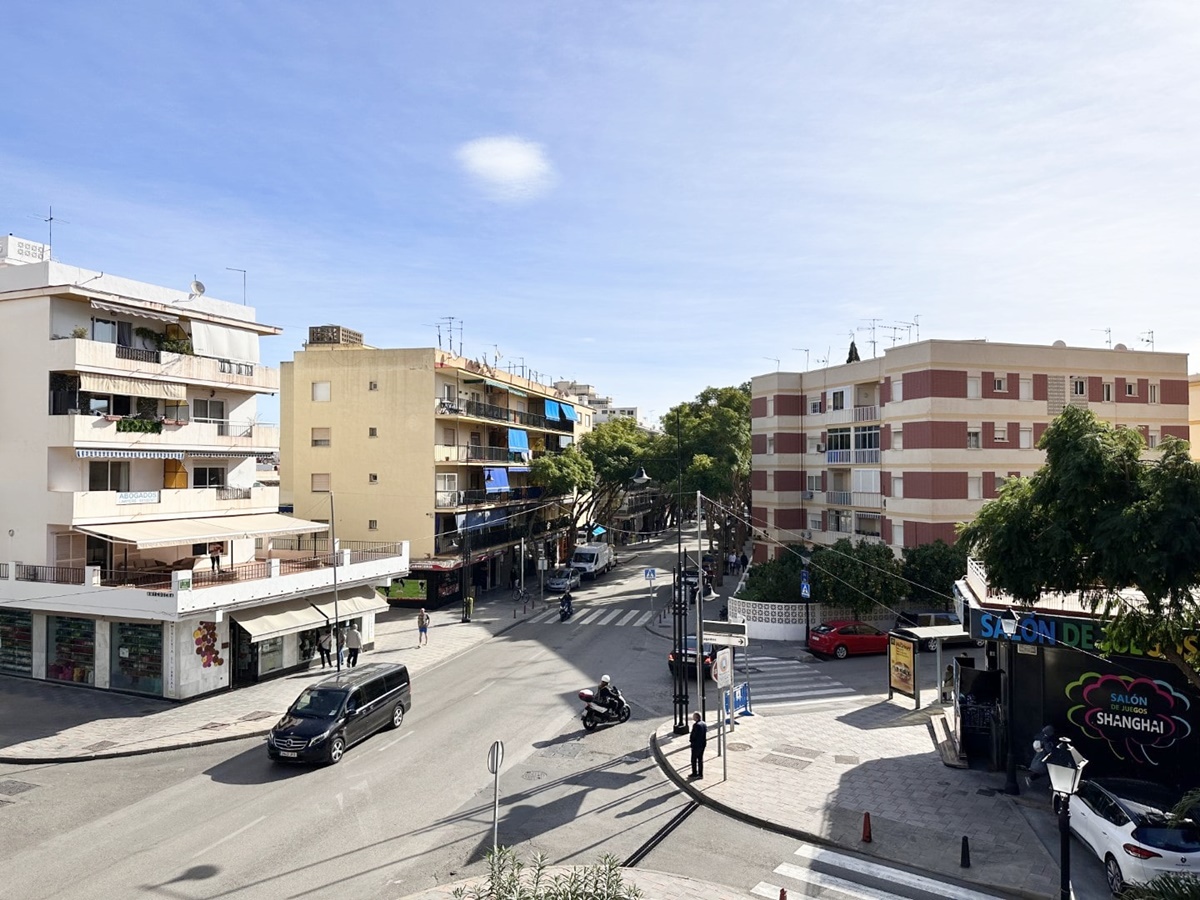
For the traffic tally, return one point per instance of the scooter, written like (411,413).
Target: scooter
(595,714)
(565,608)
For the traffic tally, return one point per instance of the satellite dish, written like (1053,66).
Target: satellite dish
(1059,344)
(197,288)
(1120,347)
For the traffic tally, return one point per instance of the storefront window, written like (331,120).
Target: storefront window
(16,643)
(70,649)
(137,658)
(308,644)
(270,655)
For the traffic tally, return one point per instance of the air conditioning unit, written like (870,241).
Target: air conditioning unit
(820,448)
(807,535)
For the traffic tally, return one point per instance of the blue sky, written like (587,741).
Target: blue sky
(648,197)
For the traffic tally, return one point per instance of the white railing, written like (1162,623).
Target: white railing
(838,498)
(977,578)
(449,453)
(866,457)
(869,499)
(833,457)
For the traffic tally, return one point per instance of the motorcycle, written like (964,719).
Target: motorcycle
(565,608)
(595,714)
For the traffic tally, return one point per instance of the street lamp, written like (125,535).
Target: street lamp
(1008,623)
(1064,765)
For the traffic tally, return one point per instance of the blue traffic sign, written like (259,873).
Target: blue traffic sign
(805,590)
(650,574)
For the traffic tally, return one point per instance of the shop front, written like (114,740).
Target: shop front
(136,657)
(71,649)
(16,643)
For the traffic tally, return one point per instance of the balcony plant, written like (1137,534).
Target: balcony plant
(143,426)
(181,345)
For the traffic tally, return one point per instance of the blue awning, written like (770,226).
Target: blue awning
(495,480)
(552,410)
(518,439)
(486,518)
(568,412)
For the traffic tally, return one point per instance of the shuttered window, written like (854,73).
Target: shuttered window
(321,483)
(321,437)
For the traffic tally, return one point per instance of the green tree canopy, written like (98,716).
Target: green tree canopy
(931,570)
(1096,519)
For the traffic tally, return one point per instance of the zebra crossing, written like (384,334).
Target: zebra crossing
(779,682)
(830,875)
(603,616)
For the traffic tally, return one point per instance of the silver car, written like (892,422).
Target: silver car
(563,580)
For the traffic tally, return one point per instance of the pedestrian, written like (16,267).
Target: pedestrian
(214,556)
(353,645)
(698,739)
(341,645)
(422,628)
(745,561)
(733,563)
(324,643)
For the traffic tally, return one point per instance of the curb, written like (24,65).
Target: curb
(801,835)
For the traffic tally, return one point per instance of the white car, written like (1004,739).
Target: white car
(563,580)
(1126,823)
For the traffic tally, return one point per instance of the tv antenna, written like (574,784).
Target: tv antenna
(869,327)
(243,271)
(50,220)
(1107,336)
(805,349)
(895,331)
(776,362)
(1147,337)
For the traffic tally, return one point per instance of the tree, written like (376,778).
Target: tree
(861,576)
(776,580)
(1096,520)
(931,570)
(853,356)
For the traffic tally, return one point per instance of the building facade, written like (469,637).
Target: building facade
(603,408)
(430,447)
(901,448)
(140,551)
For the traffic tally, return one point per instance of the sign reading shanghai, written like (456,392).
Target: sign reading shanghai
(1133,715)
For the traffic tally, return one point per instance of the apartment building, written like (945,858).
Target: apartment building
(138,550)
(603,408)
(428,446)
(902,447)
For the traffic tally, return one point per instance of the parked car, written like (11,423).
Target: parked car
(338,712)
(843,638)
(909,620)
(1126,823)
(689,657)
(563,580)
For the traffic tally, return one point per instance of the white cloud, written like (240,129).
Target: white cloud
(509,169)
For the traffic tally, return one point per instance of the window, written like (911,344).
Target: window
(208,476)
(1078,387)
(770,481)
(974,487)
(1106,392)
(372,478)
(974,441)
(372,524)
(1001,480)
(814,407)
(770,443)
(839,399)
(321,437)
(838,439)
(1026,389)
(449,394)
(866,438)
(372,432)
(108,476)
(1000,385)
(898,534)
(447,481)
(1026,439)
(770,407)
(320,391)
(1001,434)
(897,390)
(897,438)
(973,389)
(111,332)
(1153,439)
(372,385)
(813,482)
(320,482)
(898,486)
(1153,398)
(1131,389)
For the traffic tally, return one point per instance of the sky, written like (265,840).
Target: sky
(648,197)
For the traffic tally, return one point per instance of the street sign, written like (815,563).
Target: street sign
(543,564)
(805,591)
(722,668)
(495,757)
(650,574)
(726,634)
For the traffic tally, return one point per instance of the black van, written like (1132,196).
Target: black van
(340,711)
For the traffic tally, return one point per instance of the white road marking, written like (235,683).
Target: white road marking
(393,743)
(228,837)
(607,619)
(832,882)
(629,616)
(759,696)
(543,617)
(763,889)
(887,873)
(482,689)
(589,617)
(643,619)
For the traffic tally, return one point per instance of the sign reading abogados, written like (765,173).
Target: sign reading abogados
(1056,631)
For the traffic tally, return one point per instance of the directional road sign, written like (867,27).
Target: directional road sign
(726,634)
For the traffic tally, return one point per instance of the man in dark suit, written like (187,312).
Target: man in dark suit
(699,740)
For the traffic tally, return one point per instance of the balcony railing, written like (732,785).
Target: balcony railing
(4,570)
(834,457)
(50,574)
(136,354)
(866,457)
(854,414)
(485,411)
(501,414)
(838,498)
(233,493)
(869,499)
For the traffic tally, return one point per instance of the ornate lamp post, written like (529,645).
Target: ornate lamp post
(1064,765)
(1008,622)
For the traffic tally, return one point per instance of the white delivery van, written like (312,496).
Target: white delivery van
(592,559)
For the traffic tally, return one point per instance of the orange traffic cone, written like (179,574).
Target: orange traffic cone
(866,838)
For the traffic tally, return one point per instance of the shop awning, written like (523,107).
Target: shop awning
(224,454)
(552,412)
(518,439)
(138,311)
(496,480)
(568,412)
(934,632)
(518,468)
(173,532)
(132,387)
(517,392)
(129,454)
(351,602)
(276,619)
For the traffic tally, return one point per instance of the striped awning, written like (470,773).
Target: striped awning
(134,311)
(224,454)
(129,454)
(133,387)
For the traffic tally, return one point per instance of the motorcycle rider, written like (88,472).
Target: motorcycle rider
(606,693)
(565,604)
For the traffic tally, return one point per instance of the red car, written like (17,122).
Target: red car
(843,638)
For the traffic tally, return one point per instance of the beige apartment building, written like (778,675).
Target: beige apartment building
(901,448)
(139,551)
(429,447)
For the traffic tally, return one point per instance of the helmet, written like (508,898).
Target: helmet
(604,679)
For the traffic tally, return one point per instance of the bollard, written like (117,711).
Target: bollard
(866,837)
(514,612)
(783,894)
(965,860)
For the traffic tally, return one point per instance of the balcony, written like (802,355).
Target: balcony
(454,499)
(854,414)
(806,495)
(867,500)
(866,457)
(838,498)
(835,457)
(84,431)
(476,410)
(469,453)
(76,354)
(83,507)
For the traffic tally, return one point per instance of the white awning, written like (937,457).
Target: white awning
(276,619)
(355,601)
(225,454)
(129,454)
(223,342)
(934,632)
(134,311)
(133,387)
(173,532)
